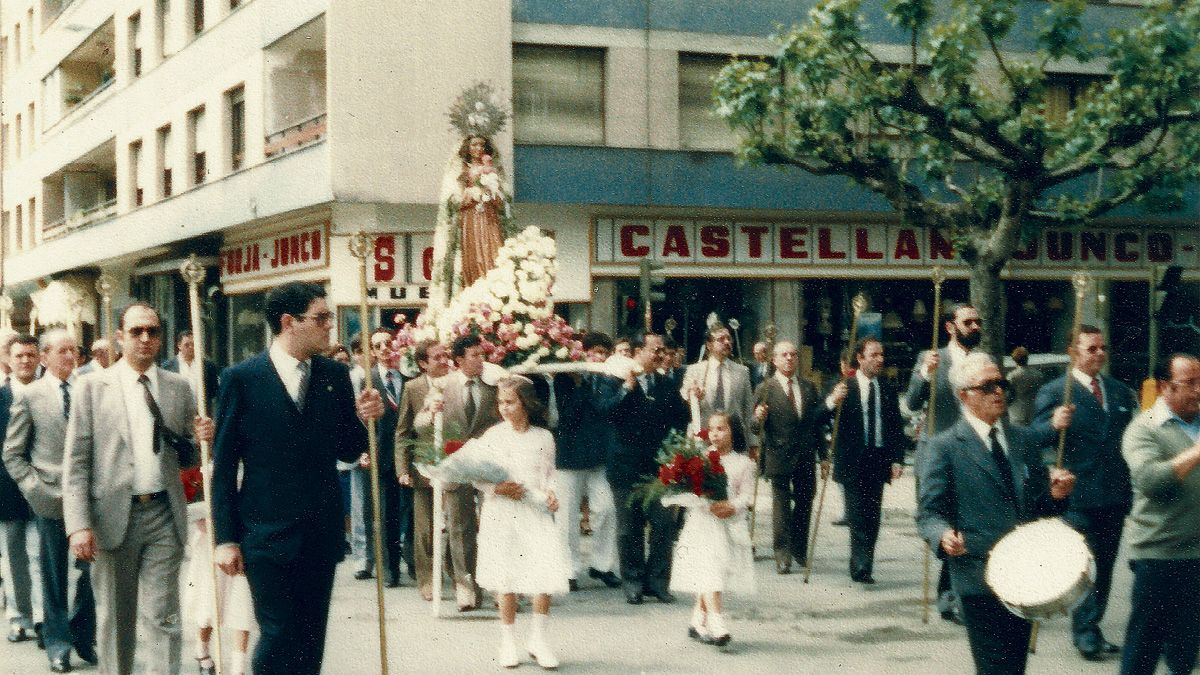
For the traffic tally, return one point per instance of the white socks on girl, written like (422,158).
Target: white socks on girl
(508,647)
(537,646)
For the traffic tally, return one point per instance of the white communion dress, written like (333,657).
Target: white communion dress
(237,610)
(714,554)
(520,549)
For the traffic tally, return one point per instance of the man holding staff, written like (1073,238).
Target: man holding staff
(286,416)
(719,383)
(1102,496)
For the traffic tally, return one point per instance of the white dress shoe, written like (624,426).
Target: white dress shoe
(542,653)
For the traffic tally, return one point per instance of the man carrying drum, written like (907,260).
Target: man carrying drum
(981,478)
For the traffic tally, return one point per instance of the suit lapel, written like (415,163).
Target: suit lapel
(980,454)
(275,383)
(112,379)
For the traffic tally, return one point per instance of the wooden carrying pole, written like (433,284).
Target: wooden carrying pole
(939,277)
(104,286)
(360,247)
(439,514)
(193,273)
(860,305)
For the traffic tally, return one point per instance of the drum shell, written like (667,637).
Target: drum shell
(1076,588)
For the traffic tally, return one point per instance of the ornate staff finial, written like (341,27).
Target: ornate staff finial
(191,269)
(1081,280)
(104,285)
(859,303)
(938,274)
(360,245)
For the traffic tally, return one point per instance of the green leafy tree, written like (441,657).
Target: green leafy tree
(970,136)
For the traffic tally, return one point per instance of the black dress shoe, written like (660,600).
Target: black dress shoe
(698,636)
(572,585)
(1108,647)
(664,596)
(841,522)
(41,639)
(863,579)
(392,581)
(952,616)
(60,664)
(87,653)
(18,633)
(608,578)
(783,568)
(633,596)
(362,575)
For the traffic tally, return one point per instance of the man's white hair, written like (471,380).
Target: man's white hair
(52,336)
(781,346)
(965,373)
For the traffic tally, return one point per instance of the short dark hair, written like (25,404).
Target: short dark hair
(638,340)
(596,339)
(1162,369)
(1084,329)
(951,309)
(1020,356)
(421,351)
(137,303)
(293,298)
(25,339)
(459,347)
(861,346)
(714,330)
(186,332)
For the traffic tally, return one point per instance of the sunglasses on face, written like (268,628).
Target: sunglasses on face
(990,386)
(147,331)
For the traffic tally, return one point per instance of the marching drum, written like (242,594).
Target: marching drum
(1041,569)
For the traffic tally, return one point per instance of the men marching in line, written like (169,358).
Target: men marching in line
(1102,496)
(963,326)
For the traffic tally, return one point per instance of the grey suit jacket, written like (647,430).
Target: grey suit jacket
(98,465)
(33,448)
(412,399)
(456,423)
(740,399)
(948,412)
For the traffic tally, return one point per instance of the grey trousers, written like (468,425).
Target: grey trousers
(137,586)
(21,570)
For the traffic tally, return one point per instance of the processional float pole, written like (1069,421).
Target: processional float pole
(939,277)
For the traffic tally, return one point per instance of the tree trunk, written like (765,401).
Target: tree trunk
(987,295)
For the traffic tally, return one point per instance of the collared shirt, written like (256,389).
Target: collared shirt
(783,382)
(473,392)
(288,368)
(956,352)
(1162,415)
(712,368)
(58,385)
(1086,380)
(147,465)
(865,385)
(984,430)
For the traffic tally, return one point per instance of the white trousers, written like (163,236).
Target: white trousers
(571,485)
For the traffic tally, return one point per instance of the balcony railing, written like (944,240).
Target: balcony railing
(73,105)
(52,10)
(80,220)
(296,136)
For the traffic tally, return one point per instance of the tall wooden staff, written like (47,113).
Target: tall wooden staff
(439,513)
(104,286)
(939,277)
(771,333)
(360,247)
(1081,281)
(860,305)
(193,273)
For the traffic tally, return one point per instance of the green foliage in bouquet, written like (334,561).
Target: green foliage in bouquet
(685,464)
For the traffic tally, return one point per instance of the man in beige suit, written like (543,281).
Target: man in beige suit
(469,409)
(33,452)
(123,503)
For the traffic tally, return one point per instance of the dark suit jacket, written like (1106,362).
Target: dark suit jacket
(289,493)
(12,503)
(853,461)
(385,427)
(759,372)
(1093,448)
(211,377)
(961,489)
(585,437)
(642,419)
(791,442)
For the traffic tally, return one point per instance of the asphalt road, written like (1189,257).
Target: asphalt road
(827,625)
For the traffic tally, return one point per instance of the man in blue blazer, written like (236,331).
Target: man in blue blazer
(981,478)
(1103,495)
(286,416)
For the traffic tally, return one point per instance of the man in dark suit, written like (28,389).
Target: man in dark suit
(789,416)
(761,368)
(286,416)
(963,326)
(396,501)
(184,363)
(981,478)
(1103,495)
(649,407)
(869,453)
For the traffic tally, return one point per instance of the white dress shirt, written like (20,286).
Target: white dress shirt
(865,385)
(58,385)
(984,430)
(288,368)
(147,465)
(712,368)
(1086,380)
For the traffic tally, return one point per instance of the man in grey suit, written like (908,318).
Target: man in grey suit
(123,505)
(1103,495)
(469,409)
(981,478)
(18,533)
(963,325)
(33,452)
(721,383)
(1025,383)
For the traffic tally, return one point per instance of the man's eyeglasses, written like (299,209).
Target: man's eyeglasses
(990,387)
(147,331)
(320,318)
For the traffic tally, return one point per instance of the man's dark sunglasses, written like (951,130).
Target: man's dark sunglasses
(990,387)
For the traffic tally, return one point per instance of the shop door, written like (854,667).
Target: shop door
(689,302)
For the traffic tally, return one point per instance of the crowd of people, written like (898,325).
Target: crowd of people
(95,523)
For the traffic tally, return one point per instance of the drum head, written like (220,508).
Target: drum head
(1040,569)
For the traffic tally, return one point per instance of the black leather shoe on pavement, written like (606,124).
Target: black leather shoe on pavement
(1108,647)
(663,596)
(362,575)
(952,617)
(87,653)
(633,596)
(41,640)
(611,580)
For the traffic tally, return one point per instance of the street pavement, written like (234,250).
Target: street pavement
(827,625)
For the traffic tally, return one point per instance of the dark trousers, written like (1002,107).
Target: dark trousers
(999,639)
(1102,530)
(639,570)
(291,603)
(64,625)
(864,503)
(1164,617)
(390,514)
(404,518)
(792,499)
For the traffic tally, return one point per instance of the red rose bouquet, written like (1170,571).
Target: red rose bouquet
(685,466)
(193,484)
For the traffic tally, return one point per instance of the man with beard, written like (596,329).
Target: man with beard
(962,324)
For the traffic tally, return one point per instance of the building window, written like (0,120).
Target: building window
(1065,92)
(32,220)
(234,4)
(4,146)
(162,27)
(18,131)
(558,95)
(135,44)
(32,32)
(32,127)
(5,233)
(196,142)
(18,227)
(235,104)
(699,127)
(163,161)
(16,52)
(197,12)
(135,172)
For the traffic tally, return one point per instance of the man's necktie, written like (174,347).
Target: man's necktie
(159,425)
(1001,460)
(791,392)
(469,405)
(389,384)
(718,402)
(872,406)
(302,390)
(1099,395)
(66,390)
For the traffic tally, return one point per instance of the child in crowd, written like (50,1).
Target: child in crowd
(713,553)
(237,611)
